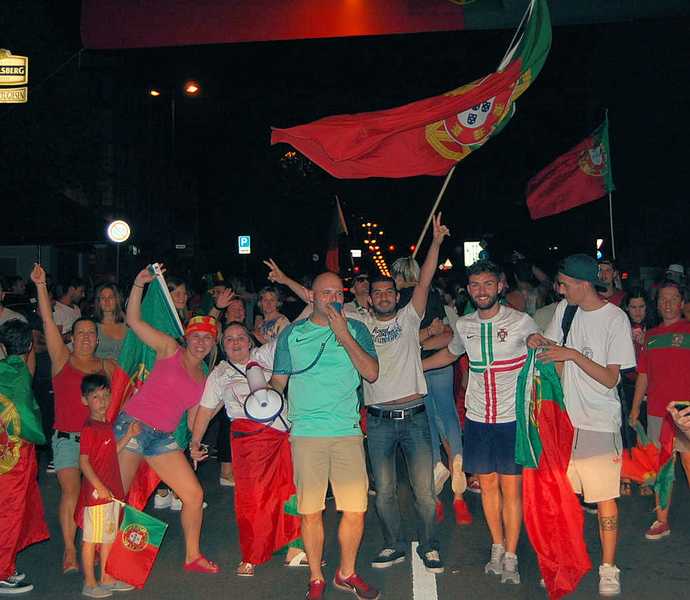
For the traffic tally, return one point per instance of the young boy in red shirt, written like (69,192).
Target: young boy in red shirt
(97,511)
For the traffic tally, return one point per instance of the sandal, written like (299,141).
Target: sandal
(196,566)
(245,569)
(299,560)
(69,566)
(626,488)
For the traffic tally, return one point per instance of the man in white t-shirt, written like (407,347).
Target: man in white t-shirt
(495,340)
(396,415)
(66,310)
(598,345)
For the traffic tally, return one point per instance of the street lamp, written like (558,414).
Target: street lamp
(118,231)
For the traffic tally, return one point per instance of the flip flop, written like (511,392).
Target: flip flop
(300,560)
(195,566)
(69,566)
(245,569)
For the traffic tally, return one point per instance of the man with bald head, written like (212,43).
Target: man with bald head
(325,357)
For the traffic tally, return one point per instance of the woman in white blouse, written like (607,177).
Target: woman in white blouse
(265,503)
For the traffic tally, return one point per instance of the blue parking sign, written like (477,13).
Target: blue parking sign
(244,244)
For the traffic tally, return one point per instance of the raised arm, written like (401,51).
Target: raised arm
(421,290)
(221,302)
(163,344)
(275,275)
(57,350)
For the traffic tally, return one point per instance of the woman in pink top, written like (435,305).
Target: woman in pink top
(174,386)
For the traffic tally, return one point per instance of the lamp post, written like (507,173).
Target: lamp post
(118,231)
(192,89)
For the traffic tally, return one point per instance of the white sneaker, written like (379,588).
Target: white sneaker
(176,503)
(509,566)
(441,475)
(495,565)
(609,580)
(458,480)
(227,481)
(161,501)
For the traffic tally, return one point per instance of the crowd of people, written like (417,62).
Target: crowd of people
(411,365)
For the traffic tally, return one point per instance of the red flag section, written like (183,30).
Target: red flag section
(263,485)
(22,521)
(429,136)
(338,227)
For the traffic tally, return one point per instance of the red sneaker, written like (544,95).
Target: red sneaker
(462,513)
(317,589)
(440,514)
(355,584)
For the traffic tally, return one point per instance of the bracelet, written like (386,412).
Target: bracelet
(218,308)
(139,286)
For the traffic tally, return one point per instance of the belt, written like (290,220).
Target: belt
(68,435)
(396,415)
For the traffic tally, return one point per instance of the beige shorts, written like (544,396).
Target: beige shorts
(595,464)
(340,460)
(101,523)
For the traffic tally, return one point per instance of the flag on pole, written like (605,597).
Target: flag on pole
(133,367)
(136,547)
(581,175)
(429,136)
(338,227)
(553,516)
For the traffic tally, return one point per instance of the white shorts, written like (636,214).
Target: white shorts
(101,523)
(595,464)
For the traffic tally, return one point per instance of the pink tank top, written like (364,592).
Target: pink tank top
(166,394)
(70,413)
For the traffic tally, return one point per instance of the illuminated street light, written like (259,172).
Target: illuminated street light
(154,92)
(192,88)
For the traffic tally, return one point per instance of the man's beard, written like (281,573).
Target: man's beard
(384,313)
(490,304)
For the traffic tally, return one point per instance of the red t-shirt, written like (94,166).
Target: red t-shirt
(615,298)
(665,358)
(98,443)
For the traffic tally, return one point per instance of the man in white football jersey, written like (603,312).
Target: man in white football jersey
(495,340)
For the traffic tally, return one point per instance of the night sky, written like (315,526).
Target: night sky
(638,70)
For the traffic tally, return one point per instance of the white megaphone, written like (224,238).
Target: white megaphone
(263,404)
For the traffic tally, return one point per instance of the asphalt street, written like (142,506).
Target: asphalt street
(649,570)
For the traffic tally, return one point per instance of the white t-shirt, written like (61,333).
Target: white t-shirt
(400,364)
(604,336)
(65,316)
(226,385)
(497,349)
(7,314)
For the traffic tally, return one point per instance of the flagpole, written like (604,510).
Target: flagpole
(613,241)
(433,210)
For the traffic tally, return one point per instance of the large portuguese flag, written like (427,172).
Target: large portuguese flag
(22,520)
(134,365)
(136,547)
(552,513)
(581,175)
(428,137)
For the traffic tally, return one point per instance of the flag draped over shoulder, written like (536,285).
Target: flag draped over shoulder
(552,513)
(338,227)
(134,365)
(429,136)
(136,547)
(581,175)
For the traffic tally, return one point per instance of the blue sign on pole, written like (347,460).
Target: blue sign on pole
(244,244)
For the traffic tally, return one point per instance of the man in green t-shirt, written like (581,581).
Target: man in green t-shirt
(325,357)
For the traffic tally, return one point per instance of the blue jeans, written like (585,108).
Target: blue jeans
(444,422)
(384,436)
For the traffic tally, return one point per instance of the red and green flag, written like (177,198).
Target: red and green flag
(581,175)
(553,516)
(666,467)
(136,547)
(338,228)
(22,521)
(134,365)
(430,136)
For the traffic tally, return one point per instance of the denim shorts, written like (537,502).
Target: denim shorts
(490,448)
(150,442)
(65,451)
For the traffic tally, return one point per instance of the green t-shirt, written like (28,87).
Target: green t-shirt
(322,401)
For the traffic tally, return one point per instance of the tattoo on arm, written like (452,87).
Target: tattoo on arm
(608,523)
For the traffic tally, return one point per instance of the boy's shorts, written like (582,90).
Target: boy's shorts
(595,464)
(101,523)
